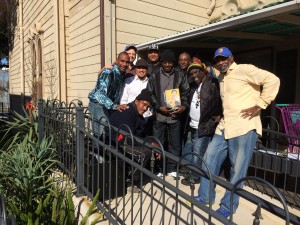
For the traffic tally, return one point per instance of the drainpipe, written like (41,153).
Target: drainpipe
(102,35)
(21,32)
(111,32)
(63,13)
(57,42)
(211,7)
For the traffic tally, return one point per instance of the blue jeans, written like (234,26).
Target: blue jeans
(196,145)
(97,111)
(174,140)
(239,150)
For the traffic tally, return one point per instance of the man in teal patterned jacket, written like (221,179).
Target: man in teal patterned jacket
(105,97)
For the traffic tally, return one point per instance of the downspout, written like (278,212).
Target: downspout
(102,35)
(111,32)
(298,68)
(62,37)
(57,41)
(211,7)
(21,32)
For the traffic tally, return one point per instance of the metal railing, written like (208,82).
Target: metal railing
(4,219)
(4,109)
(93,162)
(273,162)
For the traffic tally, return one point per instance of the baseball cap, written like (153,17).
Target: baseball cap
(141,63)
(153,47)
(131,46)
(223,51)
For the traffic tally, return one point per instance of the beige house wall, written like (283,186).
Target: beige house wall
(40,12)
(70,34)
(15,59)
(37,17)
(84,48)
(138,21)
(130,21)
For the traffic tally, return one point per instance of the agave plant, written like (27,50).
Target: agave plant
(15,129)
(25,175)
(27,167)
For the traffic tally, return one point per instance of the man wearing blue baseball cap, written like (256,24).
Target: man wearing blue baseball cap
(245,90)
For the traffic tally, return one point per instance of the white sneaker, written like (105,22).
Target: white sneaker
(160,175)
(173,174)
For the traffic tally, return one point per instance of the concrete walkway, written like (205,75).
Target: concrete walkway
(140,203)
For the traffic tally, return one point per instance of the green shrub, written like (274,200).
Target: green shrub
(34,195)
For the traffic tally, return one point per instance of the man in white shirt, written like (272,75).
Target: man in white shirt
(204,114)
(134,85)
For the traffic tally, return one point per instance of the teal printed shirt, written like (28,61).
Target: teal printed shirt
(108,88)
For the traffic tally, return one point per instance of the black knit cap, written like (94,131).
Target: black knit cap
(168,55)
(145,95)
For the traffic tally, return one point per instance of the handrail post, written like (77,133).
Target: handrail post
(79,150)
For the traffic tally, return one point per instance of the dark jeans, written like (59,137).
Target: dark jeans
(197,145)
(139,154)
(174,140)
(240,151)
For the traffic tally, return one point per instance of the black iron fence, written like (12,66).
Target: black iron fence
(274,162)
(4,219)
(4,109)
(94,163)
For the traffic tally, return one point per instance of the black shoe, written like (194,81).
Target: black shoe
(187,181)
(184,171)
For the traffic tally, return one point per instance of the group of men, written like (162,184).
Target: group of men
(220,115)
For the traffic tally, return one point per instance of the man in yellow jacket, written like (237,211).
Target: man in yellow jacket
(245,90)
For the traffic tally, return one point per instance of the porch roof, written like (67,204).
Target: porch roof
(277,23)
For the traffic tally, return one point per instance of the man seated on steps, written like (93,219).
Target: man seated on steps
(133,118)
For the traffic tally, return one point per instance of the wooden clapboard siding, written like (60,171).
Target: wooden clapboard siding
(40,11)
(84,48)
(145,20)
(14,67)
(82,71)
(33,11)
(134,21)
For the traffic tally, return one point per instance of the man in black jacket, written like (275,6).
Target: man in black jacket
(133,118)
(153,58)
(168,118)
(205,112)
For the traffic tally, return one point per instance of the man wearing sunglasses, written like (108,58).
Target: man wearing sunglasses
(204,115)
(245,90)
